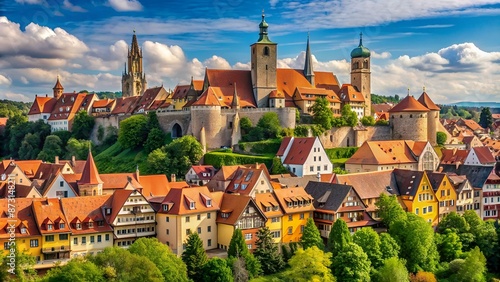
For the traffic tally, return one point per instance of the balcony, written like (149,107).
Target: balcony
(57,249)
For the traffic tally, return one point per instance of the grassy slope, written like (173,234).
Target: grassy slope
(117,159)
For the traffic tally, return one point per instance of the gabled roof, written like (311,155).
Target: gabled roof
(408,104)
(484,155)
(328,196)
(226,80)
(87,208)
(178,201)
(118,199)
(284,144)
(471,124)
(477,175)
(310,93)
(104,103)
(435,179)
(381,107)
(368,185)
(42,105)
(408,181)
(245,180)
(300,150)
(458,181)
(90,175)
(45,170)
(50,211)
(208,170)
(453,156)
(269,205)
(426,101)
(119,180)
(125,105)
(68,104)
(326,80)
(154,185)
(211,97)
(383,152)
(24,215)
(287,195)
(149,96)
(234,205)
(350,94)
(28,167)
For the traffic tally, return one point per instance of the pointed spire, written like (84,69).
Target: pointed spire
(58,84)
(308,64)
(58,89)
(236,101)
(408,92)
(191,85)
(423,89)
(90,175)
(134,49)
(263,30)
(360,39)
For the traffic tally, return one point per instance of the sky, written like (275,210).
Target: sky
(450,47)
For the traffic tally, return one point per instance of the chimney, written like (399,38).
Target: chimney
(56,161)
(440,169)
(137,173)
(172,178)
(73,160)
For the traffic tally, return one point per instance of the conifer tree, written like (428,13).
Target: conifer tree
(339,236)
(194,257)
(238,249)
(311,236)
(267,252)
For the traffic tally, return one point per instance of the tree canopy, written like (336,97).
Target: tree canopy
(485,118)
(133,131)
(339,236)
(351,264)
(309,265)
(267,252)
(194,257)
(217,270)
(51,149)
(76,270)
(82,125)
(311,236)
(322,114)
(369,241)
(389,209)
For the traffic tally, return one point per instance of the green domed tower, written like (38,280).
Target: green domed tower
(360,72)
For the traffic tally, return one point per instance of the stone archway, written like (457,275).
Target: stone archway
(176,131)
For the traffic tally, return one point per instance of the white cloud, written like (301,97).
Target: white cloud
(383,55)
(125,5)
(15,97)
(30,1)
(74,8)
(4,80)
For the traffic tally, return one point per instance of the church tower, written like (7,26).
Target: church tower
(308,65)
(360,73)
(263,70)
(133,78)
(58,89)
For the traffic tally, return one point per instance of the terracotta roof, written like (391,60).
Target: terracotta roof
(299,151)
(149,96)
(327,80)
(179,201)
(309,93)
(245,180)
(234,205)
(211,97)
(381,107)
(407,181)
(383,152)
(84,210)
(268,204)
(408,104)
(382,116)
(154,185)
(484,155)
(103,103)
(58,84)
(42,105)
(24,215)
(225,81)
(284,196)
(368,185)
(30,167)
(287,80)
(276,95)
(119,180)
(417,147)
(471,124)
(180,91)
(349,93)
(49,211)
(179,184)
(284,144)
(453,156)
(90,175)
(45,170)
(426,101)
(68,104)
(125,105)
(77,165)
(118,199)
(208,170)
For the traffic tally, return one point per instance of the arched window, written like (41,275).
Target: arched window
(348,141)
(266,51)
(365,64)
(428,161)
(411,116)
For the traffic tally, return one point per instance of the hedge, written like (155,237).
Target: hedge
(341,152)
(264,147)
(219,159)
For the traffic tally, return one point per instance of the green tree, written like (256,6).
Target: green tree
(267,252)
(339,237)
(172,268)
(389,209)
(82,125)
(238,248)
(78,148)
(121,265)
(269,123)
(416,239)
(245,125)
(64,135)
(309,265)
(158,163)
(133,131)
(217,270)
(351,264)
(156,139)
(278,167)
(369,241)
(350,116)
(311,236)
(474,268)
(24,266)
(183,152)
(381,122)
(29,147)
(393,270)
(322,114)
(77,270)
(485,236)
(111,136)
(457,224)
(449,245)
(153,121)
(388,246)
(485,118)
(194,257)
(368,121)
(51,149)
(441,138)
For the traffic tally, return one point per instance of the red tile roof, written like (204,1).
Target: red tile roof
(208,170)
(125,105)
(149,96)
(284,144)
(234,205)
(453,156)
(326,80)
(226,81)
(299,151)
(287,195)
(484,155)
(179,201)
(383,152)
(408,104)
(42,105)
(24,215)
(49,211)
(68,105)
(381,107)
(84,210)
(119,181)
(245,180)
(268,204)
(154,185)
(350,94)
(103,103)
(90,174)
(426,101)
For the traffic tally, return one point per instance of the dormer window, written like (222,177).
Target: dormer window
(24,230)
(209,202)
(224,215)
(61,225)
(191,205)
(49,226)
(100,223)
(108,211)
(91,224)
(79,226)
(165,207)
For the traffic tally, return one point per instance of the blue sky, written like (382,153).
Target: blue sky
(450,47)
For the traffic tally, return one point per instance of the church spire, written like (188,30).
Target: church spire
(58,88)
(90,175)
(308,64)
(236,101)
(263,30)
(135,45)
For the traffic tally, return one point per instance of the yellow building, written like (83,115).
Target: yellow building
(27,236)
(297,208)
(54,228)
(269,205)
(444,191)
(184,211)
(415,191)
(90,233)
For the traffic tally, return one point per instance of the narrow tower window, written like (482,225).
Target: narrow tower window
(266,51)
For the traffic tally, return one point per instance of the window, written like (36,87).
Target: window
(424,211)
(188,231)
(49,238)
(248,236)
(266,51)
(249,246)
(34,243)
(84,240)
(275,234)
(209,228)
(318,168)
(199,230)
(61,183)
(209,242)
(49,226)
(165,207)
(107,237)
(290,230)
(209,202)
(302,216)
(325,167)
(302,229)
(208,215)
(290,217)
(79,225)
(167,219)
(428,161)
(99,238)
(311,168)
(429,209)
(275,219)
(63,237)
(191,205)
(187,218)
(24,230)
(168,231)
(92,239)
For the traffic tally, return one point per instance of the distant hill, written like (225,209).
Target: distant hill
(11,108)
(476,104)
